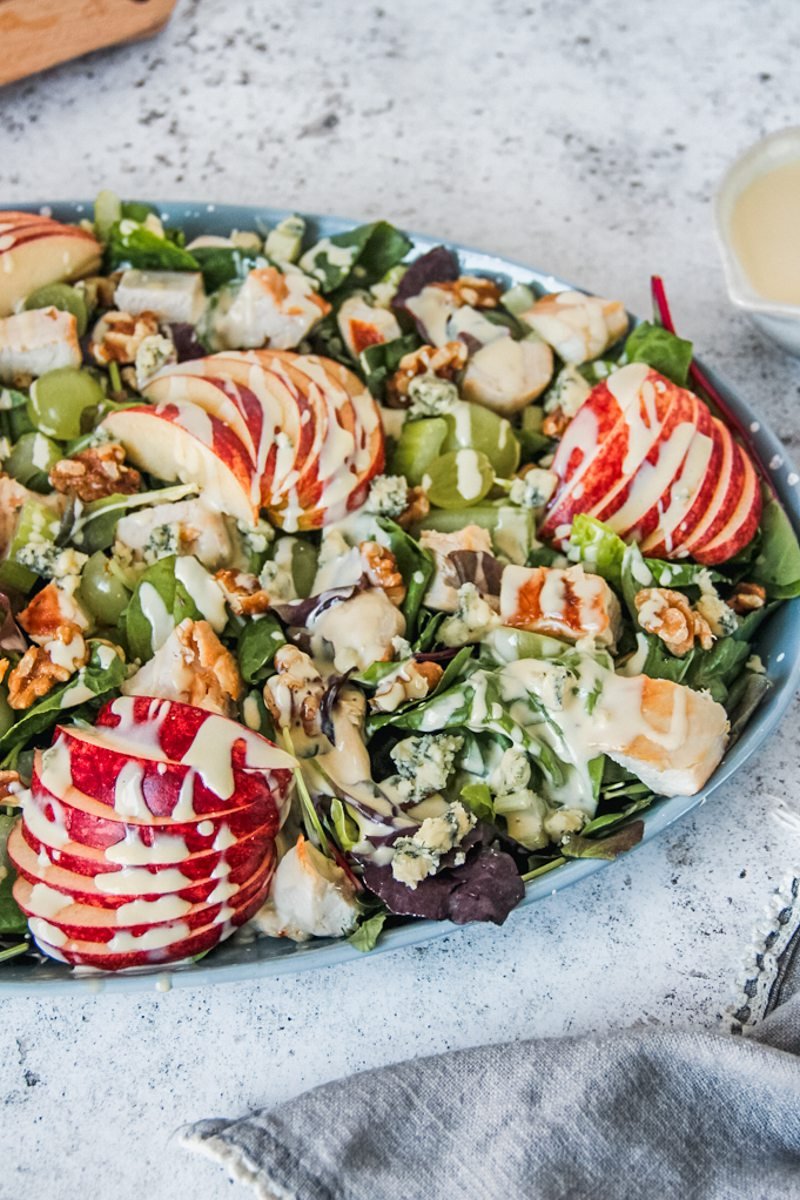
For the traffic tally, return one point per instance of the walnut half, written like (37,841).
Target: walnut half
(95,473)
(443,361)
(670,616)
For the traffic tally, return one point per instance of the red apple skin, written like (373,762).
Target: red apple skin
(90,923)
(723,501)
(218,442)
(36,250)
(86,954)
(89,823)
(234,405)
(591,465)
(662,543)
(175,727)
(247,853)
(96,768)
(85,890)
(743,523)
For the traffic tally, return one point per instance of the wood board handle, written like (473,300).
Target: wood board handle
(37,34)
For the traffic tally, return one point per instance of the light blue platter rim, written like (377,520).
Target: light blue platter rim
(266,958)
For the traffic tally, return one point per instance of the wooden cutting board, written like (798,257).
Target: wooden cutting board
(36,34)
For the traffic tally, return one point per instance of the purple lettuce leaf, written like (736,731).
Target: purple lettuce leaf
(12,638)
(187,343)
(478,567)
(484,888)
(439,265)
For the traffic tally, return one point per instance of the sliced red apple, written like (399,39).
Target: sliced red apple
(691,492)
(128,953)
(145,787)
(183,442)
(723,500)
(36,250)
(743,522)
(45,839)
(91,923)
(129,840)
(123,886)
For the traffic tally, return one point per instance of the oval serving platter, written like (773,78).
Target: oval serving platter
(778,645)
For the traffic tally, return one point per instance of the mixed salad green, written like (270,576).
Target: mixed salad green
(468,683)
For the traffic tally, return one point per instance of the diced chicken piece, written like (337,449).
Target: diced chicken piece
(33,343)
(192,666)
(186,527)
(174,296)
(442,594)
(359,631)
(578,327)
(505,375)
(50,609)
(270,308)
(362,325)
(310,897)
(667,734)
(569,604)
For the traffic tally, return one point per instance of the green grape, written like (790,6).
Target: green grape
(59,398)
(459,479)
(107,211)
(102,591)
(31,461)
(471,425)
(64,297)
(304,566)
(419,444)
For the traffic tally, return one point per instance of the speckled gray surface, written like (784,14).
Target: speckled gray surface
(584,138)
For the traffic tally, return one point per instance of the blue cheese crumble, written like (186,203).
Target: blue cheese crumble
(418,856)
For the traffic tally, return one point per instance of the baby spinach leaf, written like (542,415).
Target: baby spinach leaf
(12,920)
(140,247)
(379,362)
(777,564)
(415,564)
(104,672)
(221,264)
(256,647)
(575,845)
(170,593)
(661,350)
(366,253)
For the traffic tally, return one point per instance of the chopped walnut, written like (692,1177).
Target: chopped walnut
(193,667)
(243,592)
(100,290)
(444,361)
(380,567)
(417,508)
(413,681)
(555,423)
(747,597)
(42,667)
(117,336)
(670,616)
(9,787)
(95,473)
(295,693)
(473,290)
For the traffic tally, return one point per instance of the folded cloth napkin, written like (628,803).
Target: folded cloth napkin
(665,1114)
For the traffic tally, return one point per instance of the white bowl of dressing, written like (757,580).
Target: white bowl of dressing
(757,217)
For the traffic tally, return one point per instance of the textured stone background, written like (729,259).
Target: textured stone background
(585,138)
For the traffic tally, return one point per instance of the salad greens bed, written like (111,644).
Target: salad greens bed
(434,775)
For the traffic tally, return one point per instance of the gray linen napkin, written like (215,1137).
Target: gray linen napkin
(667,1114)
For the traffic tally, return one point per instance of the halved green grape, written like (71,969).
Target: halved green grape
(471,425)
(31,461)
(59,398)
(304,566)
(35,532)
(459,479)
(107,211)
(418,445)
(64,297)
(102,591)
